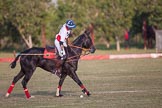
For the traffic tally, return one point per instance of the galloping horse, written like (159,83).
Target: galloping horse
(69,67)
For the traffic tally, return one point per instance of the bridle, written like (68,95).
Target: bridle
(83,49)
(86,51)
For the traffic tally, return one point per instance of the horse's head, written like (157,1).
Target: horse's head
(87,42)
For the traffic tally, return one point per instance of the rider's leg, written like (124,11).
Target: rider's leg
(57,44)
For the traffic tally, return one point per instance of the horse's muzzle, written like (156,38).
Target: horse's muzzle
(92,49)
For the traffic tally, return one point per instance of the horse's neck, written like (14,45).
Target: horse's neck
(74,51)
(77,51)
(76,47)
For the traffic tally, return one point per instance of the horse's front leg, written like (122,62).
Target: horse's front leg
(62,78)
(75,77)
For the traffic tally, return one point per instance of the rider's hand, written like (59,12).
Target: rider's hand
(61,52)
(62,47)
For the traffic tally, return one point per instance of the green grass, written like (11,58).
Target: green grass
(129,83)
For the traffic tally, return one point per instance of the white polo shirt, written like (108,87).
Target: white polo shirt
(63,34)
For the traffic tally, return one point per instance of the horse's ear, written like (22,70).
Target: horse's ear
(87,32)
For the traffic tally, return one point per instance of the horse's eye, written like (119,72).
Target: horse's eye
(87,43)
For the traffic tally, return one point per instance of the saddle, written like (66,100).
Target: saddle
(50,48)
(50,52)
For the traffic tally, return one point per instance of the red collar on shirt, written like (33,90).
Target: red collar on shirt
(67,28)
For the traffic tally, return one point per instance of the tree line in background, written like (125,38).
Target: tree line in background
(23,22)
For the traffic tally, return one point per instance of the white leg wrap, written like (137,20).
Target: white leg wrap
(58,92)
(7,94)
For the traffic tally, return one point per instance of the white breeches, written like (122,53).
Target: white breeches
(57,44)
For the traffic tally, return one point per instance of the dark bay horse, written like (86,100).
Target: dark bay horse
(69,67)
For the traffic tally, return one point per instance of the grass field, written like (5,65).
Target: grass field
(129,83)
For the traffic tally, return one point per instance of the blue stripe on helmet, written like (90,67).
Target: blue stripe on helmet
(70,24)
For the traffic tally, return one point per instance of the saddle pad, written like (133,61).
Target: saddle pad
(49,55)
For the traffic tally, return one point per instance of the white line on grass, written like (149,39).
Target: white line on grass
(112,92)
(126,91)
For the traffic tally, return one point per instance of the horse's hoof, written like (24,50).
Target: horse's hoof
(31,97)
(60,95)
(88,94)
(7,95)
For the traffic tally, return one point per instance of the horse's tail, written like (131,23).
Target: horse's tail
(13,64)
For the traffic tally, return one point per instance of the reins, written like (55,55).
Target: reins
(84,49)
(78,55)
(70,59)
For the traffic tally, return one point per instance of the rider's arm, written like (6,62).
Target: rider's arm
(67,41)
(61,44)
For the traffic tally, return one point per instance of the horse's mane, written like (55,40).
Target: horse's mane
(78,40)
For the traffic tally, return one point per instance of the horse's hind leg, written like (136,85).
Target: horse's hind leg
(15,79)
(24,83)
